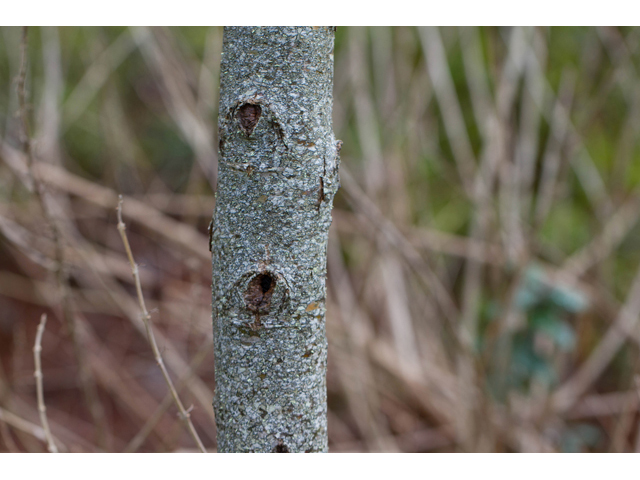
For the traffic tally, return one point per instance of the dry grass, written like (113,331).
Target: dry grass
(483,260)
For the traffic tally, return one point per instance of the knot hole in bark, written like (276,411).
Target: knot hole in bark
(281,448)
(257,296)
(248,115)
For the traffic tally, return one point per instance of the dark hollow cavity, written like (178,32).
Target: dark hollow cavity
(257,296)
(248,115)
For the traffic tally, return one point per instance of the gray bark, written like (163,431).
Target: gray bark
(278,174)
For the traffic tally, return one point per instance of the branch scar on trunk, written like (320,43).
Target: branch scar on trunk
(248,116)
(257,296)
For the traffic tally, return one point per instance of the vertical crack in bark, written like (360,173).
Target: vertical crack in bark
(320,194)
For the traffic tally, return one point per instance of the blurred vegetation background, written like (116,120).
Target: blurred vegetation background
(484,269)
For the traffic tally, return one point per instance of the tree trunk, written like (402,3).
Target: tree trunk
(278,174)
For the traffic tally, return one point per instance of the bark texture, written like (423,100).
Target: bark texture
(278,174)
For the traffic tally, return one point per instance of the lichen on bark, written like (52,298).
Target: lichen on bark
(278,174)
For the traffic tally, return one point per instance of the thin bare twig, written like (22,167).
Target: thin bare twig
(137,441)
(22,425)
(146,317)
(176,232)
(636,381)
(86,380)
(42,409)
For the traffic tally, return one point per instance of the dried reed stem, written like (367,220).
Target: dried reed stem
(88,385)
(146,317)
(42,409)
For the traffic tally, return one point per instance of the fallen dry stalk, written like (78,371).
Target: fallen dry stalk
(42,409)
(146,317)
